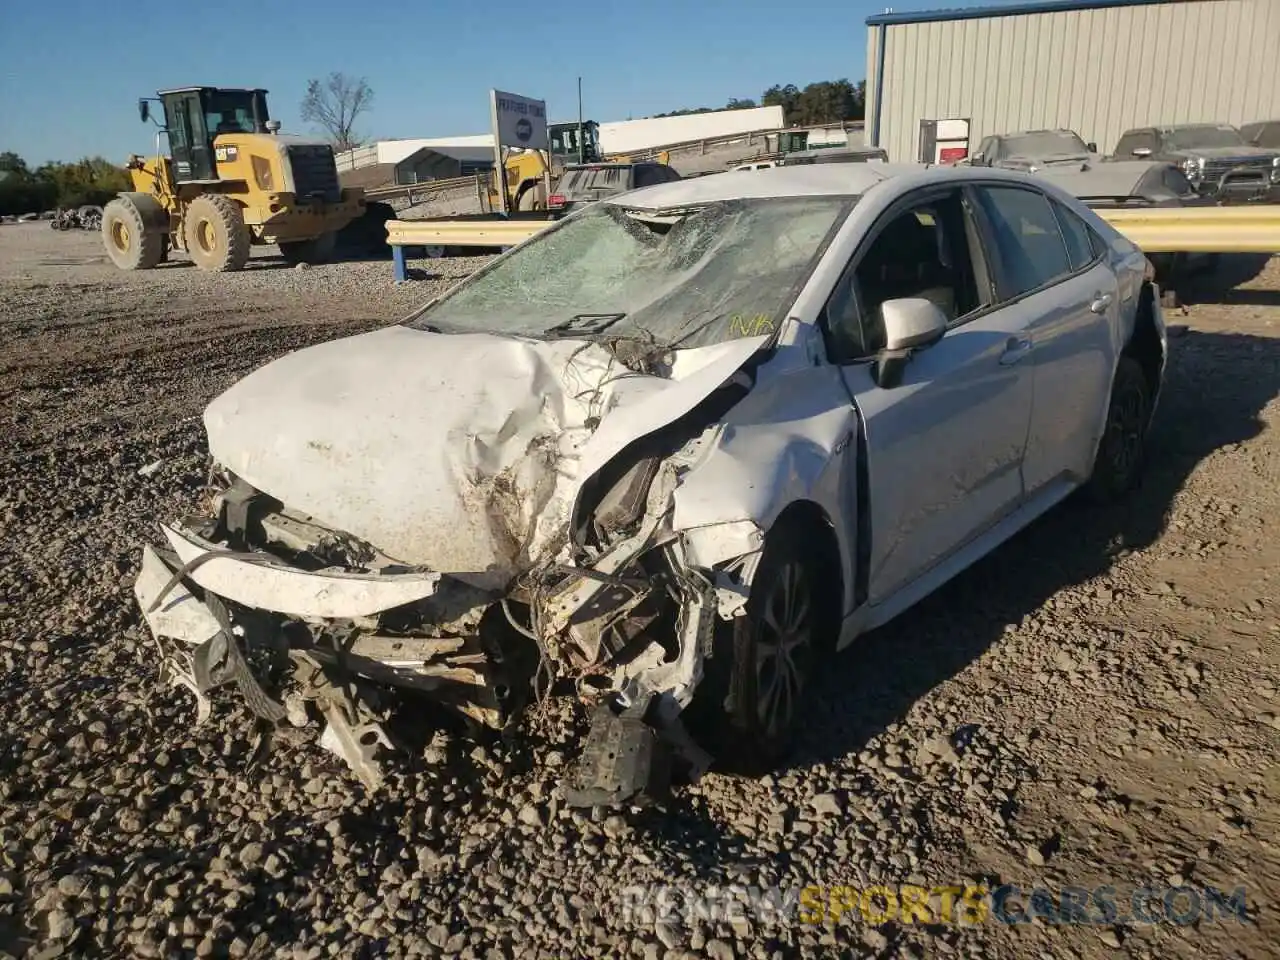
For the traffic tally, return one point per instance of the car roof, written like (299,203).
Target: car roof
(1196,126)
(811,180)
(1023,133)
(808,180)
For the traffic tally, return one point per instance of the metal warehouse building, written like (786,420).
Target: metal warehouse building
(1098,68)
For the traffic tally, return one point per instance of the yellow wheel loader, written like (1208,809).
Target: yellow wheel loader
(231,180)
(527,171)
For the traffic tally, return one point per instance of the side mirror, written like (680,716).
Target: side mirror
(1142,152)
(144,110)
(910,323)
(1091,147)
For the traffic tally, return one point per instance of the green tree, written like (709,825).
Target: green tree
(10,162)
(826,101)
(88,180)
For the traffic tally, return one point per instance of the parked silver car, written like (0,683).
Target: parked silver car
(666,454)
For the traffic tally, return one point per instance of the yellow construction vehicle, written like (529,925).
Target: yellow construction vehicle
(231,180)
(528,171)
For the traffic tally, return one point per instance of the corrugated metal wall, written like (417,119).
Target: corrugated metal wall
(1098,72)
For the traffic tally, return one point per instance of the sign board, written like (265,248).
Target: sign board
(944,141)
(518,121)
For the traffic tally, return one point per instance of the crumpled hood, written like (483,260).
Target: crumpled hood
(463,453)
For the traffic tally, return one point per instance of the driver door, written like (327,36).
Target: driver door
(945,446)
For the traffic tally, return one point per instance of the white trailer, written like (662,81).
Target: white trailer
(632,136)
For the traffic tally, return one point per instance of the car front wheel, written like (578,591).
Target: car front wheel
(1118,464)
(760,689)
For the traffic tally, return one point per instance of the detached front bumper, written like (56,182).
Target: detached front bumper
(213,611)
(310,642)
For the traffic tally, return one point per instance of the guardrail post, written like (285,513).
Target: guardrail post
(397,257)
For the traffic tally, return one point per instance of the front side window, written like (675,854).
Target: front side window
(228,113)
(1028,242)
(679,278)
(921,252)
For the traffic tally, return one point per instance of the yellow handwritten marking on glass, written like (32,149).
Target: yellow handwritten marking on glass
(740,326)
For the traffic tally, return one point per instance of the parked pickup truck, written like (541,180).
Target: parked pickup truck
(1032,150)
(1216,158)
(584,183)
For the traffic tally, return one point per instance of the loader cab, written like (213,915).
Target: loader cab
(564,142)
(195,116)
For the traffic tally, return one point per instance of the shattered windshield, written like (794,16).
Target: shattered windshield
(688,277)
(1047,143)
(1192,138)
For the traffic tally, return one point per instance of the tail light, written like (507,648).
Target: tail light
(556,200)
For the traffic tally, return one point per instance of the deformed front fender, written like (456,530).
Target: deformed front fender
(791,439)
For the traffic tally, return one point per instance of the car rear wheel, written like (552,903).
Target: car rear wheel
(1118,464)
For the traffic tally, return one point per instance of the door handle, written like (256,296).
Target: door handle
(1100,302)
(1014,350)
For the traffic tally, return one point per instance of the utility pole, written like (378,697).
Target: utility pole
(581,145)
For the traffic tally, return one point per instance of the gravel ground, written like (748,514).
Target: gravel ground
(1093,704)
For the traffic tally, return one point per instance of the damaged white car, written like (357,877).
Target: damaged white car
(670,451)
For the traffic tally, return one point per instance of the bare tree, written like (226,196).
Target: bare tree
(335,104)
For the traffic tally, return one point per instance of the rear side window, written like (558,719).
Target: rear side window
(1028,242)
(1082,247)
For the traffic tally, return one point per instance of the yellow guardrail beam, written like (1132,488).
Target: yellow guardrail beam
(1232,229)
(462,233)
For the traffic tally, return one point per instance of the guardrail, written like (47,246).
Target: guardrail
(426,188)
(498,232)
(1230,229)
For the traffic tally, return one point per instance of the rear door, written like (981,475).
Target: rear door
(944,447)
(1057,285)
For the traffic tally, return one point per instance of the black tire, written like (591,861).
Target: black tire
(317,250)
(1117,466)
(217,239)
(130,243)
(746,707)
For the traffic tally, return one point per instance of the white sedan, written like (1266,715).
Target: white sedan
(663,455)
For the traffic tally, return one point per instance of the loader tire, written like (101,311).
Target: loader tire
(318,250)
(131,243)
(217,239)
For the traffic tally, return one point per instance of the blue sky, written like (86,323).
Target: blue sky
(71,71)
